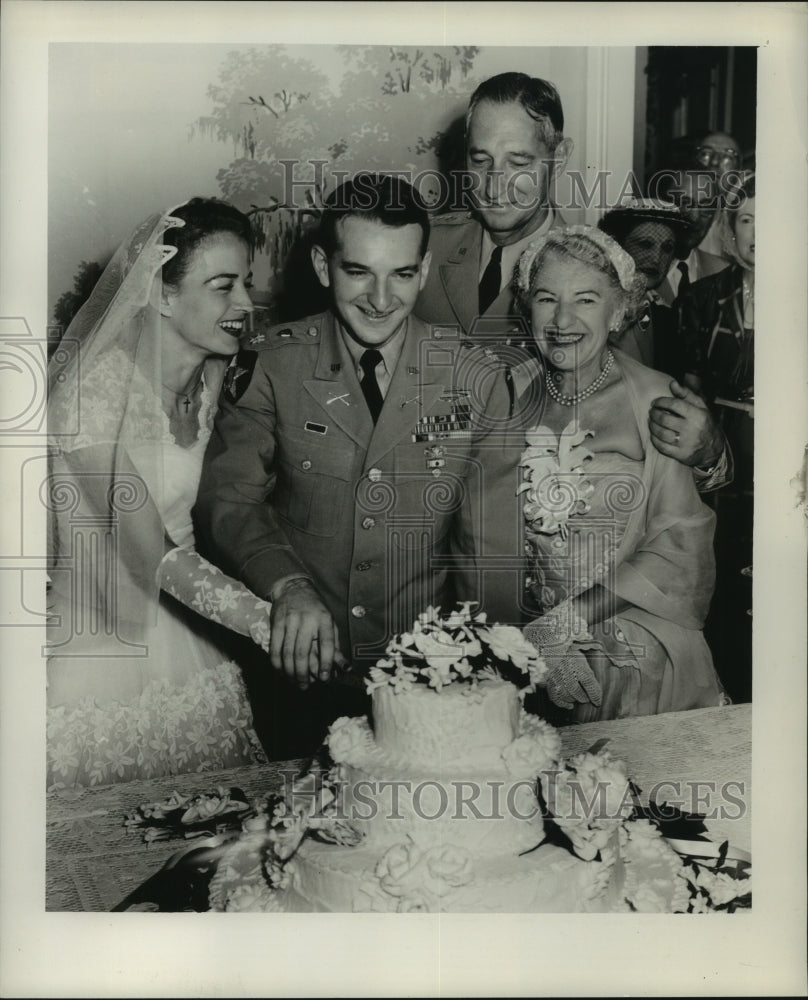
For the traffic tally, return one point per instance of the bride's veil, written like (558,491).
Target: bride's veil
(105,534)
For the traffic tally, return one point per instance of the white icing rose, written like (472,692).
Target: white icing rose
(542,733)
(401,869)
(525,757)
(344,736)
(449,866)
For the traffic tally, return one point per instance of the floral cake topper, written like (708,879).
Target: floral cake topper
(460,647)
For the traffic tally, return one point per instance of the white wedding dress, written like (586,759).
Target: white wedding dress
(182,706)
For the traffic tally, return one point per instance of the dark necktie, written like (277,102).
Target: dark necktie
(682,294)
(684,283)
(491,280)
(370,387)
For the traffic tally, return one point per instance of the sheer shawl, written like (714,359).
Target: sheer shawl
(105,533)
(665,566)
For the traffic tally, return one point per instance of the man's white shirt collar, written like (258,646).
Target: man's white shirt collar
(512,252)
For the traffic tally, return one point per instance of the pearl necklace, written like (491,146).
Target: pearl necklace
(588,391)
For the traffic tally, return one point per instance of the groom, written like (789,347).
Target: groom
(340,451)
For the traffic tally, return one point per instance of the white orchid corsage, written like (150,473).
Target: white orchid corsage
(555,485)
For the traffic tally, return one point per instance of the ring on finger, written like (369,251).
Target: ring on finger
(676,437)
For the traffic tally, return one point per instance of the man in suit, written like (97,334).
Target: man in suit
(700,172)
(340,450)
(514,145)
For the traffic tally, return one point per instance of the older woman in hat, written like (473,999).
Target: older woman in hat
(656,234)
(619,546)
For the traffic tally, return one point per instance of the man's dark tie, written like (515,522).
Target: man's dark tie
(370,387)
(682,293)
(491,280)
(684,283)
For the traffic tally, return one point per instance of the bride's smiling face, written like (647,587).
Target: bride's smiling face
(573,307)
(210,306)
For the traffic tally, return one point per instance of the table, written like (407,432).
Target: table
(702,756)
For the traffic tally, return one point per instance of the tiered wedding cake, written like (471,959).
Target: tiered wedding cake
(436,806)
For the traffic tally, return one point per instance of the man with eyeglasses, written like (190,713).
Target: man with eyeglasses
(694,182)
(719,151)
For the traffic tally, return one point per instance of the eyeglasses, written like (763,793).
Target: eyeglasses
(707,155)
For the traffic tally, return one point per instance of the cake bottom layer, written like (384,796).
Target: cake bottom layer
(326,878)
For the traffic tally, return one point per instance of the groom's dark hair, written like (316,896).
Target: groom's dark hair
(384,198)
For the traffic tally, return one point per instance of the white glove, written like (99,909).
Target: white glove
(197,584)
(555,632)
(571,680)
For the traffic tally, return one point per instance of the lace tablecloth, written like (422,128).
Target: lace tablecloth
(699,761)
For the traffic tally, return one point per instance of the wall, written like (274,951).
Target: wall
(124,136)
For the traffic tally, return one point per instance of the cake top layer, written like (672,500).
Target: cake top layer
(457,724)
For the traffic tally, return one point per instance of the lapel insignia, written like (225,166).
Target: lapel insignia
(344,398)
(238,375)
(259,338)
(412,371)
(337,366)
(434,458)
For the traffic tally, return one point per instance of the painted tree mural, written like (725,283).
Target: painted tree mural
(297,132)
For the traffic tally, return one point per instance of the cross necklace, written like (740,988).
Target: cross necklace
(187,393)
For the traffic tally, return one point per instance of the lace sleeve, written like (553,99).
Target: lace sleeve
(193,581)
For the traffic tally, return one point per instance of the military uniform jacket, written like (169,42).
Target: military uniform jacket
(297,479)
(451,293)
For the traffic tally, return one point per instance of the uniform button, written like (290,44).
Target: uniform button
(368,523)
(358,611)
(362,566)
(312,331)
(374,475)
(305,464)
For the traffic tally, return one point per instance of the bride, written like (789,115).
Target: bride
(141,680)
